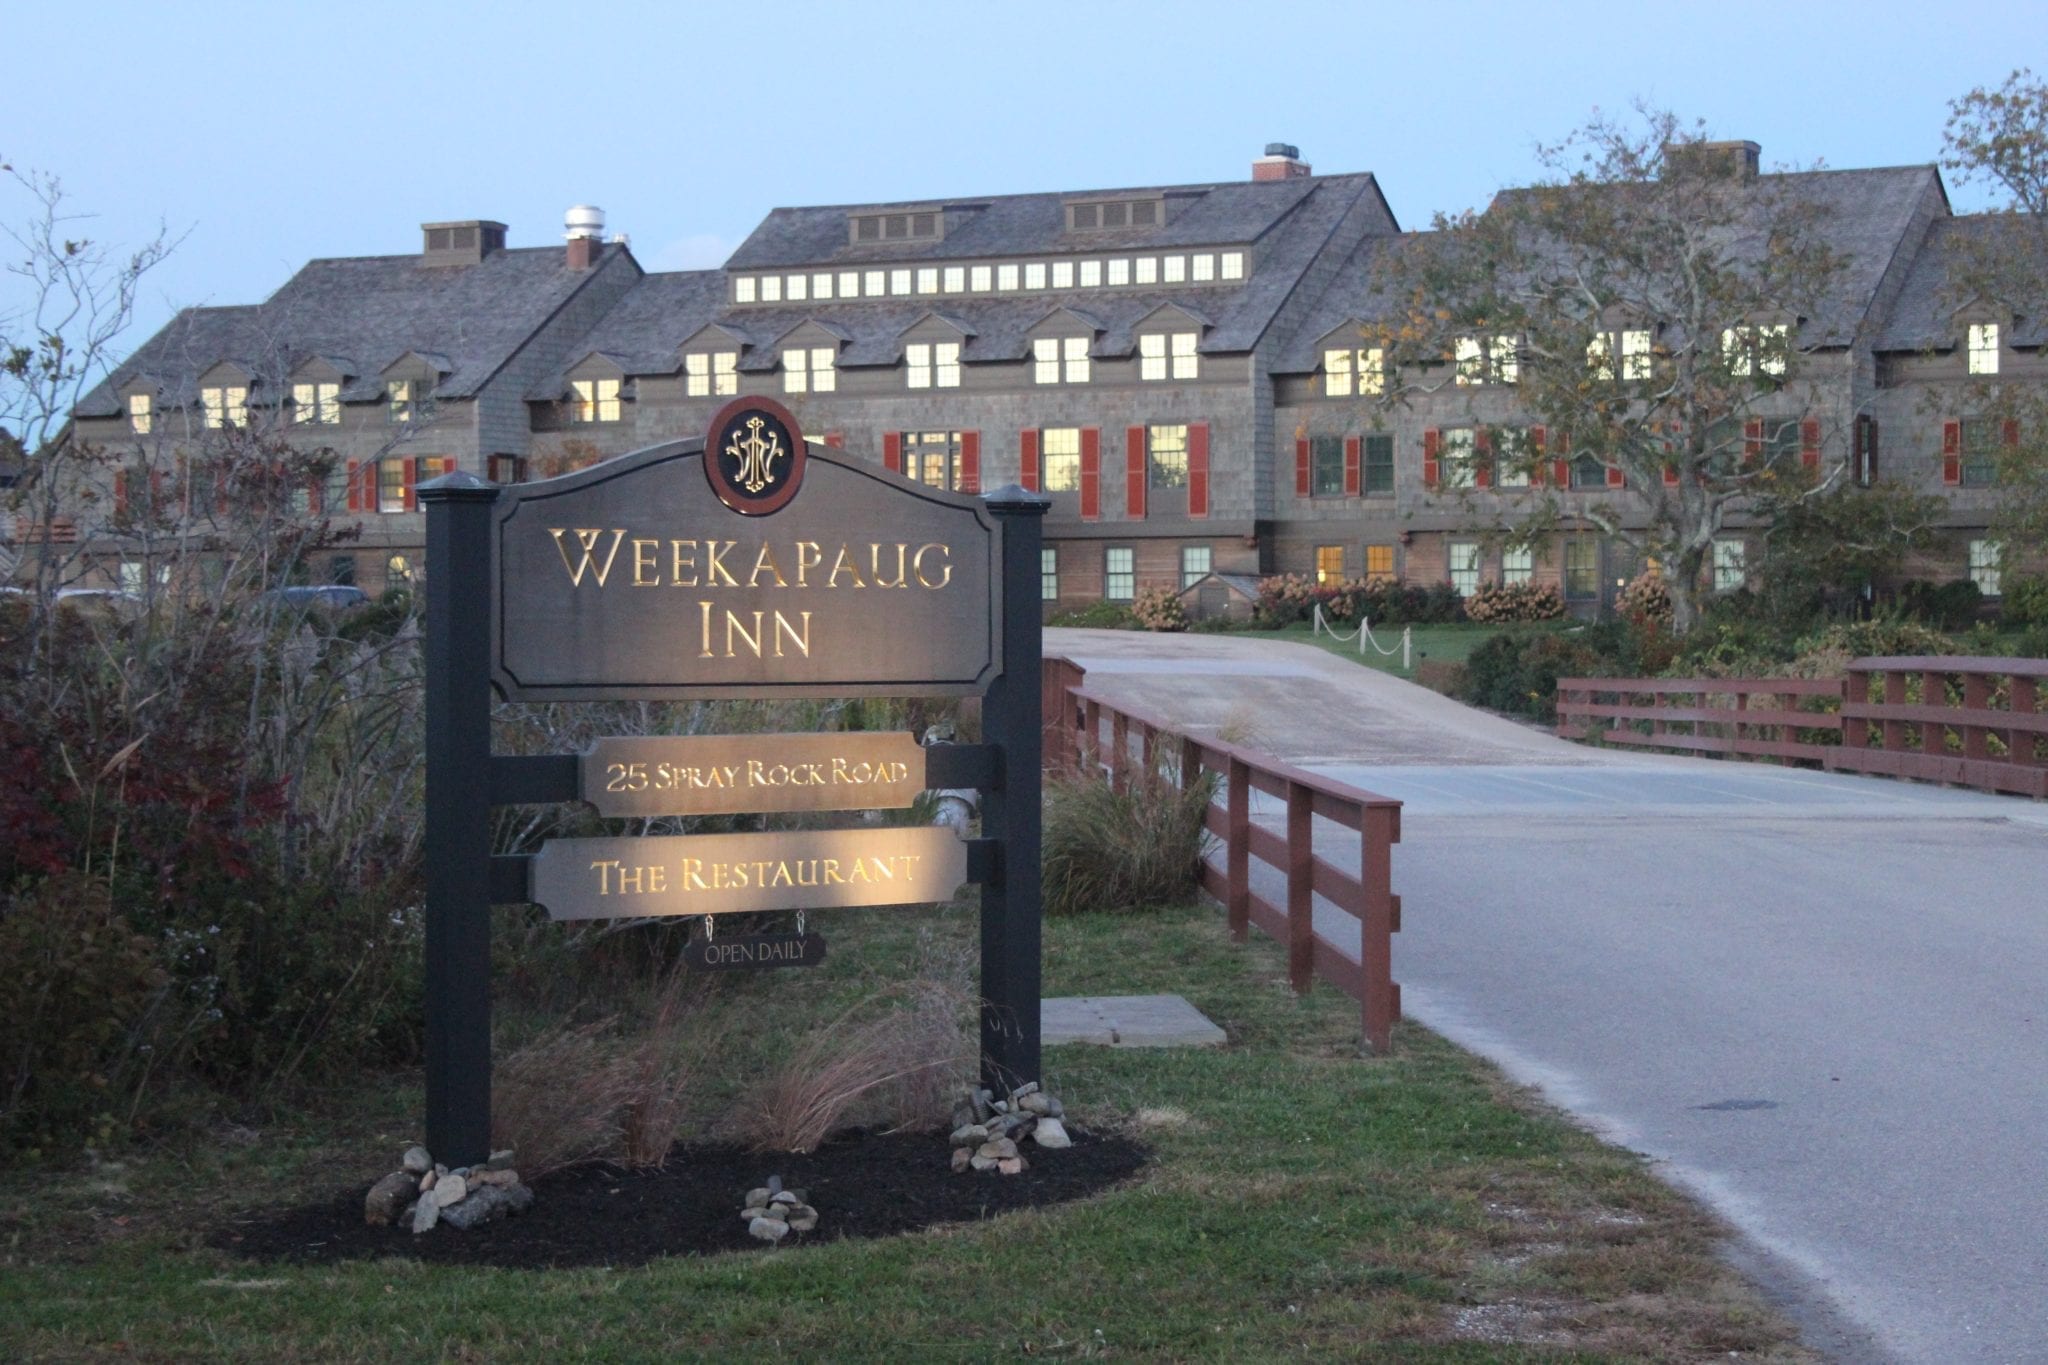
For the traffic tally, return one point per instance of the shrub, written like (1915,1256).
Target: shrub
(1107,850)
(2025,602)
(1160,609)
(1096,616)
(1645,599)
(1288,598)
(1517,671)
(1508,603)
(1945,606)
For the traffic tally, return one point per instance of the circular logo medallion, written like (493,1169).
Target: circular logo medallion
(754,456)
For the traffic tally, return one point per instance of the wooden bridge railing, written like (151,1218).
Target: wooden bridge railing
(1728,717)
(1118,741)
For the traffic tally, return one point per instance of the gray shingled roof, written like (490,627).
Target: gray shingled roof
(1865,215)
(1924,316)
(663,311)
(371,309)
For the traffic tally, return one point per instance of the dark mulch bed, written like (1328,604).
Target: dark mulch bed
(862,1184)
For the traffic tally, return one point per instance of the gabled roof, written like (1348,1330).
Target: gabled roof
(1924,317)
(373,308)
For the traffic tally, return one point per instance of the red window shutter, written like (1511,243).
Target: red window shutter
(2010,432)
(1198,469)
(1027,459)
(970,462)
(1429,464)
(1134,473)
(1482,456)
(1952,453)
(413,472)
(836,439)
(120,492)
(1539,475)
(1752,440)
(1671,476)
(316,496)
(1560,466)
(1350,466)
(355,486)
(892,451)
(1091,473)
(1301,467)
(1809,444)
(1616,479)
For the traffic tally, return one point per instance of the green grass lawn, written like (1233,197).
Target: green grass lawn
(1304,1202)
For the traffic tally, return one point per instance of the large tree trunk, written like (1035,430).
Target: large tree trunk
(1682,583)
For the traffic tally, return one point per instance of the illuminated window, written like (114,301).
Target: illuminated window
(1063,274)
(1983,348)
(979,278)
(227,406)
(932,458)
(849,284)
(1487,360)
(1329,564)
(1635,355)
(1091,274)
(1517,565)
(799,288)
(1167,456)
(1510,459)
(1148,270)
(1195,562)
(1173,270)
(711,372)
(1034,275)
(1379,561)
(899,282)
(141,413)
(1120,272)
(743,289)
(1349,370)
(1057,360)
(1457,460)
(954,280)
(821,285)
(1326,466)
(1377,475)
(1729,569)
(1204,268)
(398,570)
(874,283)
(408,400)
(1006,277)
(1119,573)
(771,289)
(394,479)
(319,404)
(1757,350)
(1164,354)
(926,365)
(1049,573)
(809,371)
(1464,562)
(594,400)
(1984,566)
(928,280)
(1060,458)
(1233,265)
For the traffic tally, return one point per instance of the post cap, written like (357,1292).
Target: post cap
(457,487)
(1012,497)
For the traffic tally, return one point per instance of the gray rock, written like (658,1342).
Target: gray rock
(973,1134)
(1011,1165)
(485,1204)
(1050,1132)
(386,1198)
(491,1177)
(450,1189)
(500,1161)
(759,1195)
(1028,1088)
(982,1163)
(1001,1106)
(961,1156)
(439,1169)
(417,1161)
(518,1198)
(1035,1104)
(1000,1148)
(462,1171)
(753,1211)
(803,1218)
(427,1181)
(769,1229)
(425,1214)
(1054,1109)
(783,1199)
(963,1116)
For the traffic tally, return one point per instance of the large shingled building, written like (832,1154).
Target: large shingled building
(1174,365)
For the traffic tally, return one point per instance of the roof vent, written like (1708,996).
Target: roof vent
(584,220)
(1286,149)
(461,243)
(1282,161)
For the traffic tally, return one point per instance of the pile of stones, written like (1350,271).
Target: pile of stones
(772,1213)
(987,1131)
(426,1195)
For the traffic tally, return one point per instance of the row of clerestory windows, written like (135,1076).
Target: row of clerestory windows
(1004,277)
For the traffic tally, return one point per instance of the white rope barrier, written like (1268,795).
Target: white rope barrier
(1364,637)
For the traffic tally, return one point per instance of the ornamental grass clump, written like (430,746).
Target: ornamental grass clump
(1107,850)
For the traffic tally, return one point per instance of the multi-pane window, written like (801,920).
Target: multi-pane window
(317,403)
(1588,472)
(1058,360)
(1162,355)
(1147,269)
(1984,566)
(1730,564)
(899,282)
(1060,456)
(225,406)
(1326,466)
(1581,570)
(1781,441)
(1119,573)
(743,289)
(978,279)
(141,413)
(1635,354)
(1377,474)
(1487,360)
(1457,459)
(1983,348)
(392,480)
(934,364)
(711,372)
(1166,456)
(1006,277)
(1354,370)
(1980,452)
(594,400)
(1233,265)
(1049,573)
(1329,564)
(1063,274)
(1510,457)
(771,289)
(932,458)
(1517,565)
(809,370)
(1757,350)
(1195,563)
(408,400)
(1464,562)
(1379,561)
(1173,269)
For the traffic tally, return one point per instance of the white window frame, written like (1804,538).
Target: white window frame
(141,413)
(1006,277)
(1059,447)
(1233,265)
(1517,565)
(316,403)
(594,400)
(771,289)
(224,405)
(1461,561)
(1119,571)
(743,289)
(1196,563)
(1986,565)
(979,279)
(1983,348)
(1731,564)
(1457,455)
(1048,573)
(708,373)
(1146,270)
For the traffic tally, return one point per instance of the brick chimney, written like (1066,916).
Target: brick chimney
(1282,161)
(1736,160)
(585,231)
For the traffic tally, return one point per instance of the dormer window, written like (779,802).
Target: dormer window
(141,413)
(711,372)
(1983,348)
(920,225)
(1060,360)
(317,403)
(809,370)
(932,365)
(1754,350)
(225,406)
(594,400)
(1111,214)
(1635,354)
(1487,360)
(408,400)
(1168,354)
(1354,369)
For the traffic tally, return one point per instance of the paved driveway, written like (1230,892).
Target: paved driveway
(1815,999)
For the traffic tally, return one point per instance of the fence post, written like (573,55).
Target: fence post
(1977,698)
(1301,906)
(1376,926)
(1120,752)
(1238,850)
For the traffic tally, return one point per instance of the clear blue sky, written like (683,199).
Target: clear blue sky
(273,133)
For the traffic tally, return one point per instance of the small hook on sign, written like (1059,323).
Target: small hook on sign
(799,924)
(710,927)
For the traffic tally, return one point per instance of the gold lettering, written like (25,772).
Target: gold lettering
(832,877)
(844,562)
(875,566)
(657,880)
(781,877)
(733,627)
(693,875)
(704,622)
(807,865)
(603,869)
(682,557)
(809,555)
(586,542)
(631,882)
(859,872)
(765,560)
(714,569)
(643,560)
(917,565)
(784,628)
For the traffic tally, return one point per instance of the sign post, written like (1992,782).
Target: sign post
(746,564)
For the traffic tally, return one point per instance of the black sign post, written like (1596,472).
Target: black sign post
(699,569)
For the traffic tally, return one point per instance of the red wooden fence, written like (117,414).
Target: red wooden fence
(1726,717)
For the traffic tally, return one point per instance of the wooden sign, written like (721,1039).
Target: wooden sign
(730,874)
(730,774)
(743,951)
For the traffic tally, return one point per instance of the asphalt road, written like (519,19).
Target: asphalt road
(1814,1000)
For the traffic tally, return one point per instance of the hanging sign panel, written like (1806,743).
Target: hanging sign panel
(732,774)
(750,567)
(730,874)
